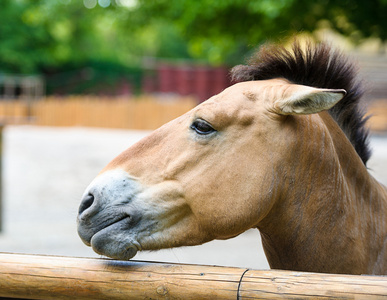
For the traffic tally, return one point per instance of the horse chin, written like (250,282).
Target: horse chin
(115,245)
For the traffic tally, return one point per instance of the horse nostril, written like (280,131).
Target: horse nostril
(87,201)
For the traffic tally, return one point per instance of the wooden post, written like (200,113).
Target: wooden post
(50,277)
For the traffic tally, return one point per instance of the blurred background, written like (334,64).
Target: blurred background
(81,80)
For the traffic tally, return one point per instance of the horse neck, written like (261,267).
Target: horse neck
(329,214)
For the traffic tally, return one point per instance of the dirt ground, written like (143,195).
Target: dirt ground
(45,171)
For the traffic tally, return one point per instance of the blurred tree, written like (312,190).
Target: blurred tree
(222,31)
(22,47)
(66,39)
(52,36)
(217,31)
(36,34)
(357,19)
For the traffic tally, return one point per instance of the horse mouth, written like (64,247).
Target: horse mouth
(87,231)
(115,240)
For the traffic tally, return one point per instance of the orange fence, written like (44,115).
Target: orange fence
(141,113)
(13,110)
(378,112)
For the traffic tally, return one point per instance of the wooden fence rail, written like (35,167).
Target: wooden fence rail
(50,277)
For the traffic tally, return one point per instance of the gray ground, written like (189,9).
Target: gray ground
(46,171)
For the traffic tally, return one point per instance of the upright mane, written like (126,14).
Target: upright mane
(317,66)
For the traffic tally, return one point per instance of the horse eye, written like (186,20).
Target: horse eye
(202,127)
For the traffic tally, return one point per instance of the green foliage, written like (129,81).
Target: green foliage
(22,46)
(92,77)
(48,35)
(216,31)
(222,31)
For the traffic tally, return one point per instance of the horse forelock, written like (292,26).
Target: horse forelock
(319,66)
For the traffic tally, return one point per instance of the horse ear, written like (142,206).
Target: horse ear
(304,100)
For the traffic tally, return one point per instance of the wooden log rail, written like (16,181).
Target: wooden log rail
(50,277)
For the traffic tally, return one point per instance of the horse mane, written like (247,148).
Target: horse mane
(319,66)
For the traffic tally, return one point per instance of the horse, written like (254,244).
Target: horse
(283,150)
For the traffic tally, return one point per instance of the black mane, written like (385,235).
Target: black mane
(317,66)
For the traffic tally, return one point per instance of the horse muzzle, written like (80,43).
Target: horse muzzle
(107,218)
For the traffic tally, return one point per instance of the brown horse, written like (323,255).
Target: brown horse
(284,151)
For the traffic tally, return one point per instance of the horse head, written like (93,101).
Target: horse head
(210,174)
(284,150)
